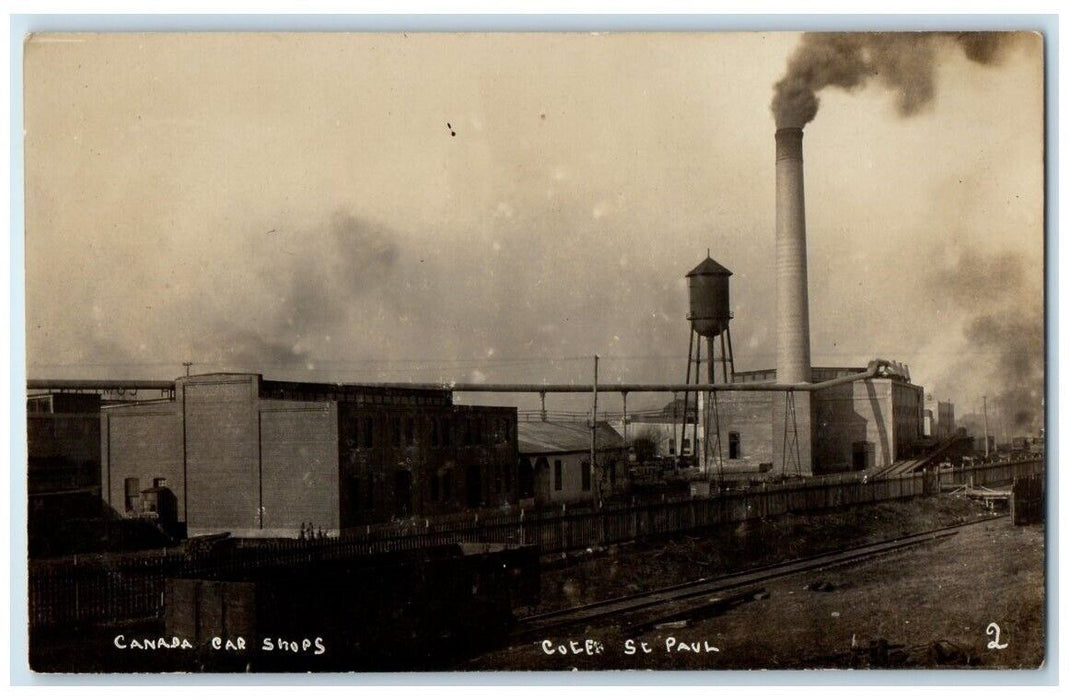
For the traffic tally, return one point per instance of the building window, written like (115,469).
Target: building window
(447,432)
(558,475)
(671,446)
(434,432)
(395,431)
(410,432)
(734,446)
(447,486)
(132,489)
(586,476)
(369,442)
(402,492)
(686,445)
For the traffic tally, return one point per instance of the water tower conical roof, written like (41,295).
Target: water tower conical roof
(709,267)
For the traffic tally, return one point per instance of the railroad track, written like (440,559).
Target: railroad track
(624,608)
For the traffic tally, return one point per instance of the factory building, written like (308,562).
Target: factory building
(855,425)
(810,420)
(256,457)
(555,461)
(63,442)
(867,423)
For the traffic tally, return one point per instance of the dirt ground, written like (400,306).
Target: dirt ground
(933,606)
(616,571)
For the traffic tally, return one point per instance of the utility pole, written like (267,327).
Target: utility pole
(987,441)
(594,438)
(187,365)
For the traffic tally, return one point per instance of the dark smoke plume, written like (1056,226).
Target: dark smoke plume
(317,277)
(904,62)
(1003,299)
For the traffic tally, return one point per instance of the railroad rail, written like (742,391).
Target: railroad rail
(624,608)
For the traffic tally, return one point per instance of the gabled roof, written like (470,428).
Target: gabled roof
(559,437)
(709,267)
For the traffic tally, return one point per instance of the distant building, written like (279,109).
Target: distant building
(945,426)
(257,457)
(555,461)
(664,429)
(938,418)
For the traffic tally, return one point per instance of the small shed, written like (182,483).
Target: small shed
(556,456)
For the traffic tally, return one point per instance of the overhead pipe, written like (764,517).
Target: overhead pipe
(98,384)
(872,371)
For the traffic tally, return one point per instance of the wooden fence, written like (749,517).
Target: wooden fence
(994,474)
(120,587)
(1026,502)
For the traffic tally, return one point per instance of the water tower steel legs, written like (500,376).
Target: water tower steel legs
(724,356)
(731,355)
(697,379)
(686,398)
(709,415)
(712,415)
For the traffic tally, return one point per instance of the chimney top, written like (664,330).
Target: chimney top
(789,143)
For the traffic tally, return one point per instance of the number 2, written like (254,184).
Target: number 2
(993,630)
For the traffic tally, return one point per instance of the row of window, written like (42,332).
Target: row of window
(364,491)
(441,432)
(350,395)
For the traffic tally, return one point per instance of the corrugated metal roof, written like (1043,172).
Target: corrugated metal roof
(709,267)
(547,437)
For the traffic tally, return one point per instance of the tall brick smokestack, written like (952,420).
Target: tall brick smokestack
(792,286)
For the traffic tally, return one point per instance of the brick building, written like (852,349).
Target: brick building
(857,425)
(257,457)
(63,442)
(853,426)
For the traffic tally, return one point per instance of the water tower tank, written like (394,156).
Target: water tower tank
(710,309)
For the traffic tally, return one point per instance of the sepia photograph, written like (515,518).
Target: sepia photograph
(416,351)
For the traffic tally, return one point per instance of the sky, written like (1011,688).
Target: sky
(501,208)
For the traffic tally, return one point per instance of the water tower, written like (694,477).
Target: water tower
(710,317)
